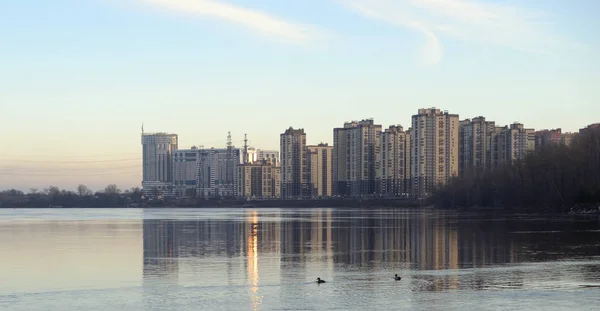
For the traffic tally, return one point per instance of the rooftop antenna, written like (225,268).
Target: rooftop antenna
(142,128)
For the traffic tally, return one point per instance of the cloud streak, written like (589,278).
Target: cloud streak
(255,20)
(474,20)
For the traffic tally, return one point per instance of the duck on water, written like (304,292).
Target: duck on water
(396,277)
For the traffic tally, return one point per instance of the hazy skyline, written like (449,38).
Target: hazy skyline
(80,76)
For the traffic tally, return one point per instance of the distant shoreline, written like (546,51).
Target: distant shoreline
(270,203)
(349,203)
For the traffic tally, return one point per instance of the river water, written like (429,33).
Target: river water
(268,259)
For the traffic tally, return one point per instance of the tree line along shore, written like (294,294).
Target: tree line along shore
(558,178)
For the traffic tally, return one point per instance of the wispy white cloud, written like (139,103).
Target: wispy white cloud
(258,21)
(499,24)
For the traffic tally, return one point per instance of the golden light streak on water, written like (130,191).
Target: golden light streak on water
(252,265)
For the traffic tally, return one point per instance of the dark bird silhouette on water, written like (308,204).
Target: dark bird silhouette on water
(397,278)
(319,281)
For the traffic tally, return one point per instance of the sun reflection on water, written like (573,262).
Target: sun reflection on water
(252,265)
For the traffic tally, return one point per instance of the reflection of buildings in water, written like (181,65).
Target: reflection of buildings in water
(166,241)
(486,243)
(316,234)
(375,238)
(433,243)
(392,237)
(292,239)
(311,238)
(160,250)
(329,243)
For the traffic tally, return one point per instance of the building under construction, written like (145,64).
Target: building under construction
(206,173)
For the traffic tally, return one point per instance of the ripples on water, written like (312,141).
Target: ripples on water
(268,259)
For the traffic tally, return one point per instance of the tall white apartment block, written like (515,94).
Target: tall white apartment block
(476,145)
(355,154)
(157,163)
(434,149)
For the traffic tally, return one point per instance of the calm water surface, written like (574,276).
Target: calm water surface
(268,259)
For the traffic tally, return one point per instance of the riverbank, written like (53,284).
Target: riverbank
(214,203)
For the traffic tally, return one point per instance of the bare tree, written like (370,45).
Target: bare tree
(112,189)
(53,191)
(83,190)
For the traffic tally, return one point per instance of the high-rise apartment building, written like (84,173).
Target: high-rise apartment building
(219,172)
(355,153)
(320,170)
(545,138)
(260,180)
(294,168)
(186,172)
(206,173)
(512,142)
(589,128)
(434,149)
(475,145)
(393,176)
(567,138)
(157,163)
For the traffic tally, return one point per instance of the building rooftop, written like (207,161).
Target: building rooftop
(159,134)
(292,131)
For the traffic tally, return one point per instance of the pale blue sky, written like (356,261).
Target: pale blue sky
(78,77)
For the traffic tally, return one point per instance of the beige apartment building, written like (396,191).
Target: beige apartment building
(294,166)
(320,161)
(355,152)
(259,180)
(475,145)
(434,149)
(512,142)
(393,174)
